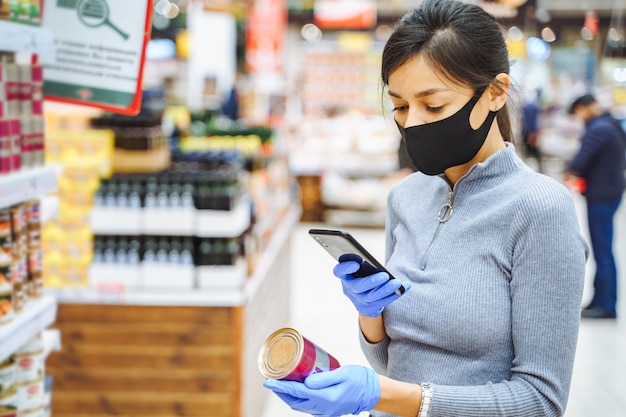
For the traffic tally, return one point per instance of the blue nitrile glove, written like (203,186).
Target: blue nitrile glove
(368,289)
(349,389)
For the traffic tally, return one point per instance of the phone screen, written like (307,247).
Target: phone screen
(341,244)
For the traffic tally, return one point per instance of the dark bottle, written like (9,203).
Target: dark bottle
(134,196)
(110,194)
(109,250)
(121,251)
(149,254)
(187,252)
(150,201)
(122,192)
(220,248)
(205,252)
(163,192)
(233,249)
(175,249)
(134,248)
(163,250)
(175,197)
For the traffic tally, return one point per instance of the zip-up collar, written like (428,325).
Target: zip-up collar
(500,161)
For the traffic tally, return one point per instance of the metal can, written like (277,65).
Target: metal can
(6,303)
(30,365)
(289,356)
(9,398)
(30,394)
(8,375)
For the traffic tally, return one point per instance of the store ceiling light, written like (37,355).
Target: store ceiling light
(548,35)
(311,33)
(614,35)
(586,34)
(537,49)
(619,75)
(515,34)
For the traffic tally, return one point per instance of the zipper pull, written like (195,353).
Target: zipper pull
(445,212)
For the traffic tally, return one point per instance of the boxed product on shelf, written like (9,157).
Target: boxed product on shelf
(21,119)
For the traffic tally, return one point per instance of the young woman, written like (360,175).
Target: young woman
(490,250)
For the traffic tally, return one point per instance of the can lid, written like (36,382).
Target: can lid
(281,353)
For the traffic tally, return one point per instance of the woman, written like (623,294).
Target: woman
(490,250)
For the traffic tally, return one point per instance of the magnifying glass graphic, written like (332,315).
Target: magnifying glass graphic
(95,13)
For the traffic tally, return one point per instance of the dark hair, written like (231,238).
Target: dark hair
(583,100)
(459,40)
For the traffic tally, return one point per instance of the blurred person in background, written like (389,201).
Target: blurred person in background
(600,162)
(530,127)
(489,250)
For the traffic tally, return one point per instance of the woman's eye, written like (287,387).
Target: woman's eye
(434,109)
(399,108)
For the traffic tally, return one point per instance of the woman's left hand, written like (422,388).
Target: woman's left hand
(349,389)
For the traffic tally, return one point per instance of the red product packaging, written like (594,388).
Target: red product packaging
(16,144)
(28,137)
(25,94)
(3,95)
(38,141)
(12,89)
(37,89)
(5,146)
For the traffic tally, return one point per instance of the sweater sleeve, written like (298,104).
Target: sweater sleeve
(547,261)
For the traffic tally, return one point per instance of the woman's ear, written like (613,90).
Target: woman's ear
(499,91)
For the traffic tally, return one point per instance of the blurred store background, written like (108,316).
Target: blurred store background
(152,175)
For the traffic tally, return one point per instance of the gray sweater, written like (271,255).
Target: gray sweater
(491,320)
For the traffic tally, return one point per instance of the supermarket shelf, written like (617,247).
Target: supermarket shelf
(171,221)
(218,297)
(17,37)
(27,185)
(37,315)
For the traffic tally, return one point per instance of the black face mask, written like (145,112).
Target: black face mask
(437,146)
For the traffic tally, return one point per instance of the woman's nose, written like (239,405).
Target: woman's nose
(413,118)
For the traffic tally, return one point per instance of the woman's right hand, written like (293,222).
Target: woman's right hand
(369,290)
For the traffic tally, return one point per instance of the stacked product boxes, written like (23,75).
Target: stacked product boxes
(21,116)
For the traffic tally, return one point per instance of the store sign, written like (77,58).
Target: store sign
(345,14)
(100,52)
(265,33)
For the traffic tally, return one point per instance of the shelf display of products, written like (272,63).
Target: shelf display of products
(340,79)
(21,116)
(24,311)
(86,157)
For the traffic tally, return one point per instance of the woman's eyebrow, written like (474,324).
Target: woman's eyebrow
(420,94)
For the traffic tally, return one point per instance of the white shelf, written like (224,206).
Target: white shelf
(172,221)
(17,37)
(27,185)
(209,297)
(36,316)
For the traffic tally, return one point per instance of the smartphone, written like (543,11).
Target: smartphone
(339,242)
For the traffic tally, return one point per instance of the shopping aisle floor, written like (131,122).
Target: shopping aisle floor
(321,312)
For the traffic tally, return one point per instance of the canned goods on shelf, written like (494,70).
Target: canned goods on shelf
(30,365)
(6,303)
(288,355)
(9,398)
(8,375)
(30,394)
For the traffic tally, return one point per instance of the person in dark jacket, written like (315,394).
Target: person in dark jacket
(600,161)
